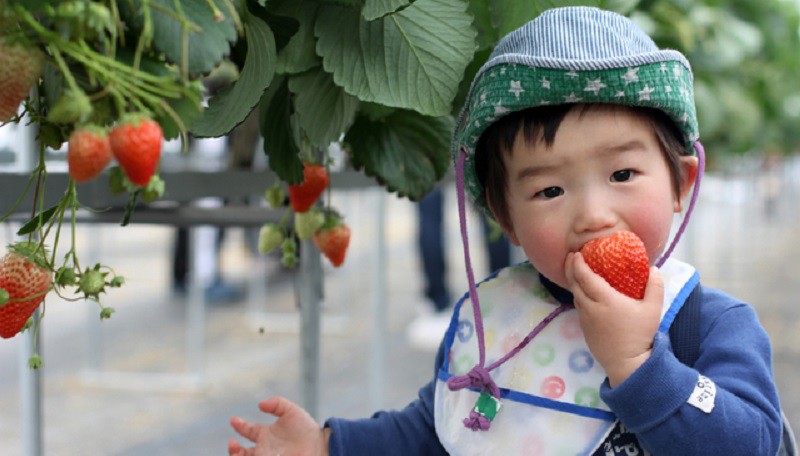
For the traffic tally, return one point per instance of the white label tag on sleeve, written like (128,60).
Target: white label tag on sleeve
(703,395)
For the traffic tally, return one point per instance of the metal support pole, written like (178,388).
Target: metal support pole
(308,292)
(377,372)
(30,381)
(196,309)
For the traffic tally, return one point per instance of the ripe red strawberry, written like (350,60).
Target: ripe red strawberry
(88,154)
(136,144)
(315,181)
(26,282)
(333,242)
(20,67)
(621,260)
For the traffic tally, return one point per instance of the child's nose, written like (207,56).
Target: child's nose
(594,213)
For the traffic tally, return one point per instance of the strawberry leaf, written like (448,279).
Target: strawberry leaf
(300,53)
(232,105)
(413,58)
(405,151)
(324,110)
(276,128)
(375,9)
(209,39)
(37,221)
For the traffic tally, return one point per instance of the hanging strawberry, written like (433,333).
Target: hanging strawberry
(136,144)
(315,181)
(333,239)
(26,279)
(88,154)
(20,67)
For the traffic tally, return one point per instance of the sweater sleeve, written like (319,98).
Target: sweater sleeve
(656,401)
(403,432)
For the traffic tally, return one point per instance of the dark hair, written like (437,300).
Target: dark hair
(542,123)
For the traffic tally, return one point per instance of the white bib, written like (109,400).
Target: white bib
(550,389)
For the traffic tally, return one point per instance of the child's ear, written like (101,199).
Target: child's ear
(689,167)
(507,230)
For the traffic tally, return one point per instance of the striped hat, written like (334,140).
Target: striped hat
(573,55)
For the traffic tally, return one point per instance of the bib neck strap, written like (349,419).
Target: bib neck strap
(479,376)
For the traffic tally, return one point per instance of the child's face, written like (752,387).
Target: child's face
(605,172)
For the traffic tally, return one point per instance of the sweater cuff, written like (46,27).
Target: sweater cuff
(654,391)
(335,445)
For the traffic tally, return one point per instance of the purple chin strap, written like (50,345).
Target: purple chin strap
(701,167)
(479,377)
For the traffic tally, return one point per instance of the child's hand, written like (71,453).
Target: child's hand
(619,330)
(294,433)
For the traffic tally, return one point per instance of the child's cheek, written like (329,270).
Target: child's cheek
(652,225)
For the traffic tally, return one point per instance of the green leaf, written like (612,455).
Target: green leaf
(283,26)
(412,59)
(324,110)
(37,221)
(619,6)
(188,111)
(405,151)
(509,15)
(482,21)
(208,40)
(374,9)
(232,105)
(300,53)
(276,128)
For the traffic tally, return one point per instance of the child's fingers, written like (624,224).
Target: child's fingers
(592,285)
(654,289)
(234,449)
(245,429)
(277,406)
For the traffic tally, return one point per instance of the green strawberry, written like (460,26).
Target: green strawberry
(275,196)
(270,237)
(306,223)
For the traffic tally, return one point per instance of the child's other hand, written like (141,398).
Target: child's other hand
(619,330)
(294,433)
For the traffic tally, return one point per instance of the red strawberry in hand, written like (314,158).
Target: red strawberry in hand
(332,240)
(136,144)
(315,181)
(88,154)
(621,260)
(26,282)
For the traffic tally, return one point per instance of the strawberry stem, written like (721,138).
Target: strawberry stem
(19,201)
(62,65)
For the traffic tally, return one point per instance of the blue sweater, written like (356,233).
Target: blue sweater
(652,403)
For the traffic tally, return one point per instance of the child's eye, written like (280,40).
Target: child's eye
(550,192)
(622,175)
